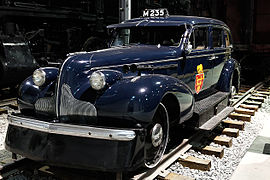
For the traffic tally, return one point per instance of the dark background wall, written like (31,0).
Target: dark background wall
(54,28)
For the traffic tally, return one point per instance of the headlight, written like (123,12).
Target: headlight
(39,77)
(97,80)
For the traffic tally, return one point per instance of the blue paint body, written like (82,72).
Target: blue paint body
(138,78)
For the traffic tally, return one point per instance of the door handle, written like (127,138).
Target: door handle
(211,58)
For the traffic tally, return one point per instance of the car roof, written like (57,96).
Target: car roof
(171,20)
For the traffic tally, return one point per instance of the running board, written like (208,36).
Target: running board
(214,121)
(204,105)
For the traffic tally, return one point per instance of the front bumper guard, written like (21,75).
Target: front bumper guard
(73,130)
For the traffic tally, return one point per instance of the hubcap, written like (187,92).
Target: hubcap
(156,135)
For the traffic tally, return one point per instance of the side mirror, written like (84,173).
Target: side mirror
(188,49)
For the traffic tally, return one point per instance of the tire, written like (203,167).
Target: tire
(155,145)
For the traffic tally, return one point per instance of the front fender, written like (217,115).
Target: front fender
(83,84)
(29,92)
(137,98)
(229,68)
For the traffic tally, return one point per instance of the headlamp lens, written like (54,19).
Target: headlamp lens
(39,77)
(97,80)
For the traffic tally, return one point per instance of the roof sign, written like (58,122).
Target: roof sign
(155,13)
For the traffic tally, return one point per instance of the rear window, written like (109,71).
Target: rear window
(199,38)
(217,37)
(227,38)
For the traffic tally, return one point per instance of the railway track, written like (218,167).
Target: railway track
(243,107)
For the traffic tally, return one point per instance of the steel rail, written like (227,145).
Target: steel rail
(247,94)
(166,161)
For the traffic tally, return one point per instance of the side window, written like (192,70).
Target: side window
(199,38)
(217,37)
(123,37)
(227,38)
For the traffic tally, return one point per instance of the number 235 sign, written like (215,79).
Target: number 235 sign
(155,13)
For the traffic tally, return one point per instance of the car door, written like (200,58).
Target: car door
(198,66)
(219,51)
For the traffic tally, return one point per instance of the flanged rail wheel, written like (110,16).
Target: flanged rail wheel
(233,89)
(157,137)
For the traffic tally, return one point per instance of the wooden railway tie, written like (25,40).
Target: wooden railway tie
(234,124)
(245,111)
(251,107)
(174,176)
(242,117)
(224,141)
(263,92)
(211,150)
(232,132)
(253,103)
(255,98)
(195,163)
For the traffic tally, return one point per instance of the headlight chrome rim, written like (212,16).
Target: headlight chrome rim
(97,80)
(39,77)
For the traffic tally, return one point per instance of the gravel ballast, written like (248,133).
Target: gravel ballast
(223,168)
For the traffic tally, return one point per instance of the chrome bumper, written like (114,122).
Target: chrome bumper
(73,130)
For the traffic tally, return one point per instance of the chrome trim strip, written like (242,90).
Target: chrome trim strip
(73,130)
(205,55)
(157,61)
(221,53)
(58,87)
(140,63)
(14,44)
(199,56)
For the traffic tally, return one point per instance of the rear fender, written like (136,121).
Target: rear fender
(229,68)
(138,98)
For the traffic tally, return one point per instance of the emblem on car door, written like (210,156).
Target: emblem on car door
(199,78)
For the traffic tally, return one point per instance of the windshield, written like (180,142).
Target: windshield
(150,35)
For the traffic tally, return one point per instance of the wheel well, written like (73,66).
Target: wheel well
(172,106)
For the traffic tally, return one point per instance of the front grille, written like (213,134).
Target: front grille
(69,106)
(45,105)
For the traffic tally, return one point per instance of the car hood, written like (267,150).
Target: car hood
(76,70)
(128,55)
(131,54)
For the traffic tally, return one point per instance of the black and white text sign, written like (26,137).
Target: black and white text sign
(155,13)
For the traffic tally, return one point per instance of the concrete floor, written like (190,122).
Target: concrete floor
(256,162)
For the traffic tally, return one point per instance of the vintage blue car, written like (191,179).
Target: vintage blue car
(112,109)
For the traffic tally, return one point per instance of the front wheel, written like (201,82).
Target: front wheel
(157,137)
